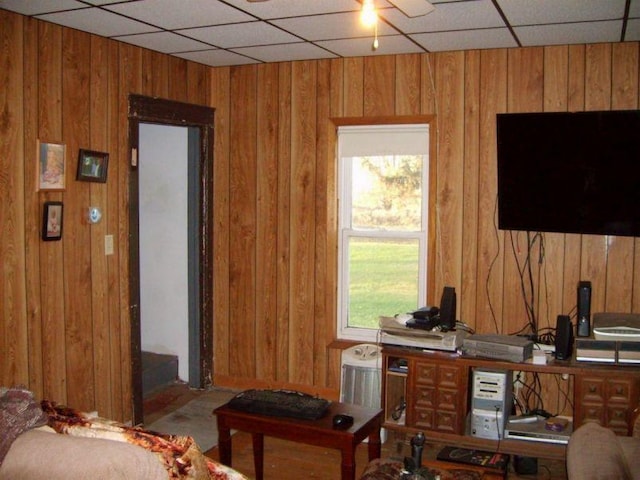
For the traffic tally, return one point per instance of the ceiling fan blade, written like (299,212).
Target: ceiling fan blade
(413,8)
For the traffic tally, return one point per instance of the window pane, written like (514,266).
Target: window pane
(383,279)
(387,192)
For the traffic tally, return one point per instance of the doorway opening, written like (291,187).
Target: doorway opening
(188,211)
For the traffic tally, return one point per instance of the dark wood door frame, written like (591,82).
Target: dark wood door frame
(167,112)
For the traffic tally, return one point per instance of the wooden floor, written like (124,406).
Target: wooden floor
(285,460)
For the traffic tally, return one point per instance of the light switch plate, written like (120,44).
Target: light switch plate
(108,244)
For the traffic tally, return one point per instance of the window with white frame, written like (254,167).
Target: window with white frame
(383,200)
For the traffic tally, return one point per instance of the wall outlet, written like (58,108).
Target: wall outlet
(519,379)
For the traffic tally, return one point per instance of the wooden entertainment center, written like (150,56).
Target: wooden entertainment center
(436,388)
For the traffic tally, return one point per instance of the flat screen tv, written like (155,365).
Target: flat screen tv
(569,172)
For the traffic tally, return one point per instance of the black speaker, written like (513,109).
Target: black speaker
(448,308)
(564,337)
(583,326)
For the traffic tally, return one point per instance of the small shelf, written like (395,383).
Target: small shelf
(395,390)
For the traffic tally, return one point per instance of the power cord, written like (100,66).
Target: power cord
(498,427)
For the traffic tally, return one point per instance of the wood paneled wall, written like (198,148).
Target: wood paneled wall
(64,321)
(64,324)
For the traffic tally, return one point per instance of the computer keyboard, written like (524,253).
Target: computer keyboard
(280,403)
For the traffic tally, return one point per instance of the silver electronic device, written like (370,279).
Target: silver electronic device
(499,347)
(492,399)
(394,332)
(537,431)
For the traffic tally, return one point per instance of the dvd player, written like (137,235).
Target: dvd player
(537,432)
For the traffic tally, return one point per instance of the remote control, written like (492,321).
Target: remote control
(524,419)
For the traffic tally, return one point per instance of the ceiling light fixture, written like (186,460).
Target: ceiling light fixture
(368,15)
(369,18)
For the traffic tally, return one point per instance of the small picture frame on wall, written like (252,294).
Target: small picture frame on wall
(51,166)
(52,221)
(92,166)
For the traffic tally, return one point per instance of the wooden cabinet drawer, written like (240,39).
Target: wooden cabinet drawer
(424,418)
(446,421)
(619,391)
(448,376)
(593,390)
(425,397)
(446,399)
(593,413)
(426,373)
(617,419)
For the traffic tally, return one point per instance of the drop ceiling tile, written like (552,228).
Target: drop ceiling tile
(287,8)
(217,58)
(360,47)
(288,52)
(528,12)
(104,2)
(34,7)
(633,30)
(448,16)
(332,26)
(468,40)
(100,22)
(570,33)
(165,42)
(254,33)
(190,13)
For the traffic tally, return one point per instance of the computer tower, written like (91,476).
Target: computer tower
(491,402)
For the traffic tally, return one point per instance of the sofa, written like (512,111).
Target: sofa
(596,453)
(41,454)
(46,441)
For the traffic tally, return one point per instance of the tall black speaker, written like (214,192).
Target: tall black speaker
(583,327)
(564,337)
(448,308)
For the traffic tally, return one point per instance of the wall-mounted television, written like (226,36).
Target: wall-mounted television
(573,172)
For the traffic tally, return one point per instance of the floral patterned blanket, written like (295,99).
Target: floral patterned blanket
(180,455)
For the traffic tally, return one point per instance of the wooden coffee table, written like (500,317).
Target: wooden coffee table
(319,432)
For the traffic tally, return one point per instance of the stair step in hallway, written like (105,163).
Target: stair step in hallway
(158,370)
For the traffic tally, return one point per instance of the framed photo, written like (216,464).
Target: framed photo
(51,166)
(52,221)
(92,166)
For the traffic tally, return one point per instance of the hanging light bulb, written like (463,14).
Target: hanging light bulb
(368,15)
(375,37)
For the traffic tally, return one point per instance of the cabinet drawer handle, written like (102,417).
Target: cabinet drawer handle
(619,390)
(592,389)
